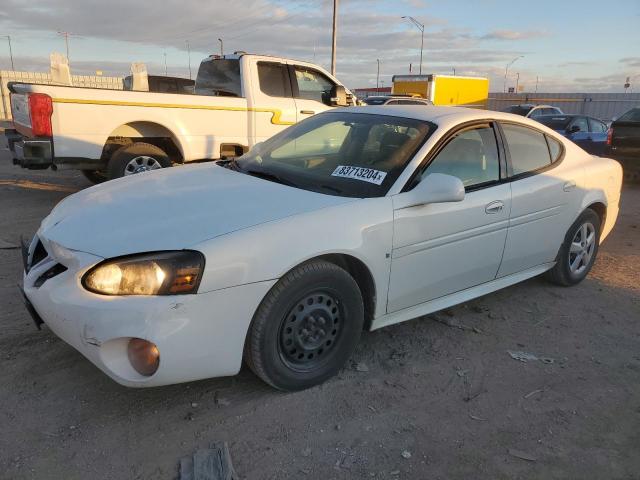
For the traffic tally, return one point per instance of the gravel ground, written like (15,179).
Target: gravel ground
(438,397)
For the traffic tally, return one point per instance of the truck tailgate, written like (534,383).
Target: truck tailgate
(20,112)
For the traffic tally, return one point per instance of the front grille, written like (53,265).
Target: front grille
(57,269)
(39,253)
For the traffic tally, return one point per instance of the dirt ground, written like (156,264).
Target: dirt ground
(421,400)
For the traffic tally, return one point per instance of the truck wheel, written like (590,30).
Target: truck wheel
(95,176)
(136,158)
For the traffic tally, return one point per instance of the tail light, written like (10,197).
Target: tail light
(609,135)
(40,109)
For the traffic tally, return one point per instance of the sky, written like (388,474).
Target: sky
(569,46)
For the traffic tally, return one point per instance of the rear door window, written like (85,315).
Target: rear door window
(274,79)
(580,122)
(527,148)
(597,126)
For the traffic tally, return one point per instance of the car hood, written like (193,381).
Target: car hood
(172,209)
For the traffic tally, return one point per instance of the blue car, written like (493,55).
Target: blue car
(587,132)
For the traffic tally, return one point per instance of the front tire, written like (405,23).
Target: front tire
(136,158)
(579,250)
(306,327)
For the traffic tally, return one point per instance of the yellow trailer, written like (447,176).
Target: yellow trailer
(445,89)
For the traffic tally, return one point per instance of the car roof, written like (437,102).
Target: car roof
(438,115)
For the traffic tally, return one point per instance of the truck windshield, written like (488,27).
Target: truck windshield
(219,77)
(339,153)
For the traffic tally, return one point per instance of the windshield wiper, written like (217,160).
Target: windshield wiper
(272,177)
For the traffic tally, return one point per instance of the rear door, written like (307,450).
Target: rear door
(598,135)
(272,106)
(544,197)
(579,132)
(311,90)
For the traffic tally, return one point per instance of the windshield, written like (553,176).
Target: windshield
(518,109)
(375,100)
(554,122)
(339,153)
(219,77)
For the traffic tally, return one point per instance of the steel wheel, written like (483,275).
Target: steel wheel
(582,248)
(140,164)
(310,331)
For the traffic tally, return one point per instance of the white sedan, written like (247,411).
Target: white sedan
(354,219)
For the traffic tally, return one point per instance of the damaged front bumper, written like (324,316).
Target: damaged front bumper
(198,336)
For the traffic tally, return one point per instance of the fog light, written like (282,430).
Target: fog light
(144,356)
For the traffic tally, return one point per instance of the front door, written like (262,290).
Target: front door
(311,89)
(439,249)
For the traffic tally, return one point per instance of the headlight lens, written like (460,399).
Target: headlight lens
(161,273)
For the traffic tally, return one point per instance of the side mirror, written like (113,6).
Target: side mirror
(574,129)
(434,188)
(338,96)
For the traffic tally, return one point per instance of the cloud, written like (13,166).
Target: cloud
(513,35)
(631,61)
(300,29)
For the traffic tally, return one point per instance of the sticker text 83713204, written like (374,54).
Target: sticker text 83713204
(360,173)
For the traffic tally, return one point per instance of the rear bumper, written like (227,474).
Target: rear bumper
(34,153)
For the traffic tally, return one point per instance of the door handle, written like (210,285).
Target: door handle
(307,112)
(494,207)
(568,186)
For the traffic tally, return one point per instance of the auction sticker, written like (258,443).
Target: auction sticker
(359,173)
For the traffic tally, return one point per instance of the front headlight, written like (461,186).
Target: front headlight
(161,273)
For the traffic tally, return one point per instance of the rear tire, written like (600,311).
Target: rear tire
(306,327)
(578,252)
(95,176)
(136,158)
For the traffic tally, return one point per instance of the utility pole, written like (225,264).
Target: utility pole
(333,39)
(165,63)
(189,56)
(536,84)
(66,41)
(378,75)
(504,85)
(421,28)
(221,47)
(10,51)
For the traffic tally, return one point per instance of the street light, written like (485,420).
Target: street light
(378,75)
(221,47)
(506,70)
(421,28)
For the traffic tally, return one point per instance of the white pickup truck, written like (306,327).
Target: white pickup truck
(238,101)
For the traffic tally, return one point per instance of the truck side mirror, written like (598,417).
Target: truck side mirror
(338,96)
